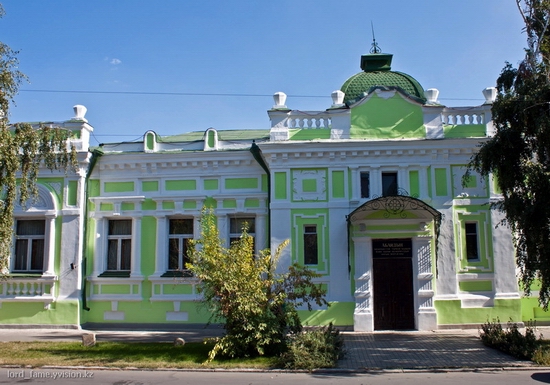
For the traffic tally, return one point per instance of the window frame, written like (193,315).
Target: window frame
(28,268)
(364,184)
(235,232)
(119,238)
(310,237)
(393,190)
(471,241)
(182,239)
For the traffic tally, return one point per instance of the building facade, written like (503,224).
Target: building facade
(370,192)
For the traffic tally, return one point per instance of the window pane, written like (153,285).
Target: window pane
(184,253)
(21,246)
(112,255)
(236,225)
(126,254)
(173,256)
(365,185)
(181,226)
(471,241)
(37,254)
(31,227)
(120,227)
(310,245)
(389,183)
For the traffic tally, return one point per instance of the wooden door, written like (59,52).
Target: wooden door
(393,305)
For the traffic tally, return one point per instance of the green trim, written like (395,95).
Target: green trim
(116,289)
(211,184)
(150,141)
(338,313)
(229,204)
(308,134)
(414,183)
(241,183)
(175,288)
(319,218)
(482,216)
(211,138)
(150,185)
(181,185)
(464,131)
(106,207)
(309,185)
(168,205)
(338,184)
(280,185)
(149,204)
(475,286)
(251,203)
(127,206)
(441,182)
(112,187)
(72,193)
(452,313)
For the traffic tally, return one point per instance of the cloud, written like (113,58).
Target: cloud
(115,61)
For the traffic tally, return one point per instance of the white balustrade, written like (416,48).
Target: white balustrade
(461,117)
(28,290)
(305,120)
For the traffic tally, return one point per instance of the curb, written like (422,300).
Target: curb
(315,371)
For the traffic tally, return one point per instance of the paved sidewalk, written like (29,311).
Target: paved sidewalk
(422,351)
(414,350)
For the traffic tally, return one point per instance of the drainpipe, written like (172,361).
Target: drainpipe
(96,154)
(257,154)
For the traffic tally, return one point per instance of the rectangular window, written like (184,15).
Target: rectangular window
(389,184)
(180,232)
(472,251)
(365,184)
(236,228)
(119,249)
(311,255)
(29,245)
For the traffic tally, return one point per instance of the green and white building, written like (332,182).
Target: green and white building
(369,192)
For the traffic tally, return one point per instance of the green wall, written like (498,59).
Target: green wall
(393,118)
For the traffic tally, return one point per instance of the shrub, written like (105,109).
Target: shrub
(511,340)
(256,303)
(319,348)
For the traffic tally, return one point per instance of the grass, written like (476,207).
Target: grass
(122,355)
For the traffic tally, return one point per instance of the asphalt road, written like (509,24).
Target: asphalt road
(130,377)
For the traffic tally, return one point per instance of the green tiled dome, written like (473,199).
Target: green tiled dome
(376,73)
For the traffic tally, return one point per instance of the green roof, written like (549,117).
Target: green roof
(376,73)
(364,82)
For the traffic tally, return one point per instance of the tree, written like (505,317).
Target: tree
(243,291)
(23,151)
(518,155)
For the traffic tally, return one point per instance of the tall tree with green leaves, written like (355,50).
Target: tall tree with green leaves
(256,304)
(518,155)
(24,150)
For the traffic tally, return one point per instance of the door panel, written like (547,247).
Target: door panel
(393,294)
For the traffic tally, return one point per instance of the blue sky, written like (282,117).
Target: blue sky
(305,48)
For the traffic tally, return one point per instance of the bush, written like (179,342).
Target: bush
(256,303)
(511,340)
(320,348)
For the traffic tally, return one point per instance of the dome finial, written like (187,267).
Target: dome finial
(374,46)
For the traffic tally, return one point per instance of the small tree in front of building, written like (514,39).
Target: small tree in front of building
(243,291)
